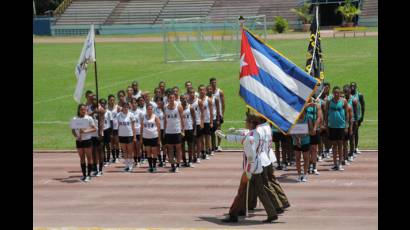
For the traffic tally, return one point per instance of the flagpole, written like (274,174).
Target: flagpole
(96,82)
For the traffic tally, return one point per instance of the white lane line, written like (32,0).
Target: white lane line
(110,85)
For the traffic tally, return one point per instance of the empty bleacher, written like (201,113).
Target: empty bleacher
(86,12)
(232,9)
(186,9)
(136,12)
(369,9)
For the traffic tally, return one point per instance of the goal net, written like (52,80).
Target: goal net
(206,38)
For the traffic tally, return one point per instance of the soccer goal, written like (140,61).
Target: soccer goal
(206,38)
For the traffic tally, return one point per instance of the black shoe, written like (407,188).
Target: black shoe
(270,220)
(241,213)
(285,206)
(231,219)
(280,211)
(161,164)
(279,167)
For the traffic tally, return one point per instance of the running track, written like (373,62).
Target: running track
(197,197)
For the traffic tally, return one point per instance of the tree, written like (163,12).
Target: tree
(44,5)
(348,11)
(303,13)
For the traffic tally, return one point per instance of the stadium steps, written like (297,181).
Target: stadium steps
(185,9)
(86,12)
(136,12)
(369,15)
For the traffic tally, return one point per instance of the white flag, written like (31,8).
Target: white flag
(87,56)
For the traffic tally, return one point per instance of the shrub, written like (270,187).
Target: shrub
(281,25)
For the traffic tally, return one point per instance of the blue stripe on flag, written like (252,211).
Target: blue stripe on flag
(276,87)
(265,109)
(288,67)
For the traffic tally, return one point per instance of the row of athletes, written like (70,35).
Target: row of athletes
(333,123)
(142,128)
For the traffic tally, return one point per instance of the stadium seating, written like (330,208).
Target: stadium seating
(87,12)
(151,12)
(369,15)
(136,12)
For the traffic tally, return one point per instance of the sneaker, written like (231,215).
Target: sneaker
(87,179)
(116,160)
(334,168)
(219,149)
(198,161)
(350,159)
(299,178)
(106,163)
(316,172)
(176,170)
(207,157)
(130,169)
(212,153)
(99,173)
(125,169)
(83,178)
(112,160)
(94,173)
(358,151)
(150,170)
(304,178)
(319,159)
(270,220)
(347,163)
(328,156)
(154,170)
(340,168)
(285,168)
(190,165)
(343,162)
(161,164)
(172,170)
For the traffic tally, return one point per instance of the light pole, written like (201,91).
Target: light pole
(34,8)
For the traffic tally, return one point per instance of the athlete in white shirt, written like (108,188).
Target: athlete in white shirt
(216,116)
(138,115)
(198,107)
(150,130)
(126,133)
(174,129)
(189,119)
(115,147)
(208,120)
(159,112)
(83,141)
(218,93)
(107,131)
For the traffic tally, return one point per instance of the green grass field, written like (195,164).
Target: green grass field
(346,60)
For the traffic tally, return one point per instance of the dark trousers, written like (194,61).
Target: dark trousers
(272,188)
(256,183)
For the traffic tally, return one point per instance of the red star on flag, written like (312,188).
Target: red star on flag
(247,62)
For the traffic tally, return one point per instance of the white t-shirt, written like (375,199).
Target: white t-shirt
(114,113)
(160,114)
(173,120)
(263,145)
(217,94)
(250,147)
(91,123)
(124,124)
(207,117)
(107,119)
(149,130)
(195,106)
(138,116)
(188,119)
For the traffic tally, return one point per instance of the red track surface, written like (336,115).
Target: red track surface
(198,197)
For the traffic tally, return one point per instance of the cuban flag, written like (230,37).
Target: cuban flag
(272,85)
